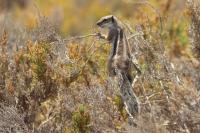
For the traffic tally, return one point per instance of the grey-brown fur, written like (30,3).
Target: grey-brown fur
(119,56)
(119,62)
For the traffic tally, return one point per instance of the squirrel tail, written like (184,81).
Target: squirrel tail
(128,96)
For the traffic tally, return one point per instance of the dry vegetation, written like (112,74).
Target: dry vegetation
(51,83)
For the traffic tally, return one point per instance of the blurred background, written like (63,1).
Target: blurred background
(75,16)
(53,82)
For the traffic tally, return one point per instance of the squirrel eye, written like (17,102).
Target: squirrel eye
(112,18)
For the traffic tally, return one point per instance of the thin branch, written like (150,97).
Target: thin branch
(145,95)
(165,92)
(136,34)
(97,35)
(82,37)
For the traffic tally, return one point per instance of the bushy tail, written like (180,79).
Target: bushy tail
(128,96)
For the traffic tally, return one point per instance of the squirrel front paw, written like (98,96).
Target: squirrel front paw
(101,36)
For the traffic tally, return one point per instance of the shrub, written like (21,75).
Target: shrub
(81,120)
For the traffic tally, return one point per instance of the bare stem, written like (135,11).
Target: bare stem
(82,37)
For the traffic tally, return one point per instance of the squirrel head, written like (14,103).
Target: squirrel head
(109,22)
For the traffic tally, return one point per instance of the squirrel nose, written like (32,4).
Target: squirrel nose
(98,23)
